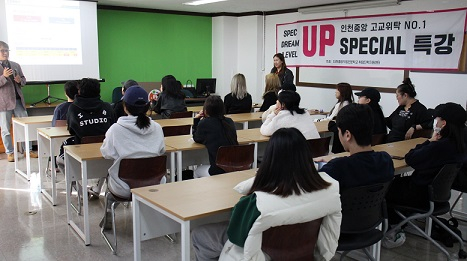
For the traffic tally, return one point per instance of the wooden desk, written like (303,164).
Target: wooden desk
(175,122)
(195,109)
(399,148)
(157,212)
(322,126)
(245,117)
(185,143)
(48,142)
(25,130)
(317,112)
(83,162)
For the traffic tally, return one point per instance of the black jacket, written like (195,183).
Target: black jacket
(400,121)
(285,77)
(234,105)
(89,117)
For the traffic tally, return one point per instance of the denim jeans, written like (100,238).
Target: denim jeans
(5,124)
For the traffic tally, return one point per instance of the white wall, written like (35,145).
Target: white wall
(432,88)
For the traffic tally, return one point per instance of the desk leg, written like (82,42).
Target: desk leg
(245,125)
(17,134)
(27,146)
(255,157)
(179,165)
(84,185)
(53,172)
(44,150)
(172,166)
(185,238)
(68,180)
(137,229)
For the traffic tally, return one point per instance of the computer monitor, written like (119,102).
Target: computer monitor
(206,86)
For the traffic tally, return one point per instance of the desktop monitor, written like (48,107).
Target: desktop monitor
(204,87)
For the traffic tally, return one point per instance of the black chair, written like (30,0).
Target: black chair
(378,139)
(319,147)
(183,114)
(136,173)
(439,195)
(363,211)
(117,94)
(460,184)
(176,130)
(277,244)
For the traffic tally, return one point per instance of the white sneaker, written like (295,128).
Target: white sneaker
(393,240)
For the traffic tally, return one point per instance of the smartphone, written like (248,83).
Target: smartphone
(397,157)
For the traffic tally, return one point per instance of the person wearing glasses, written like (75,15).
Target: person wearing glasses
(12,100)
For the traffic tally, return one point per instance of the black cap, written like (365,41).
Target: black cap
(370,93)
(452,113)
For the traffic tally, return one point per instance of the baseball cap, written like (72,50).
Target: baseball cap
(136,96)
(370,93)
(451,112)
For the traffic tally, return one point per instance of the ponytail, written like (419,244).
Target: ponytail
(142,121)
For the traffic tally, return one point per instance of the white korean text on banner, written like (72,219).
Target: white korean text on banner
(421,41)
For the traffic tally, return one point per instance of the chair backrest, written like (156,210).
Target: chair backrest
(142,172)
(235,157)
(440,187)
(176,130)
(92,139)
(363,208)
(184,114)
(292,242)
(60,123)
(117,94)
(423,133)
(319,147)
(378,139)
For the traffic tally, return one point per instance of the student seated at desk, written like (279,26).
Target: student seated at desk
(272,108)
(88,115)
(410,116)
(71,90)
(446,146)
(171,99)
(371,96)
(364,166)
(118,106)
(133,136)
(213,129)
(286,185)
(344,97)
(271,90)
(239,100)
(288,114)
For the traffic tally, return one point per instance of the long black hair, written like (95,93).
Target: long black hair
(214,107)
(174,89)
(286,167)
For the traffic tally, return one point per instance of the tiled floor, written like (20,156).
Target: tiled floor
(32,229)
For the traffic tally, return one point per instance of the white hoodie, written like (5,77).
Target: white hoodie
(124,140)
